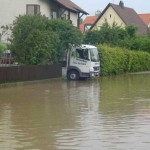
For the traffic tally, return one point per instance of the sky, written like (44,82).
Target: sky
(91,6)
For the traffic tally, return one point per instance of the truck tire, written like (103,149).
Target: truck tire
(73,75)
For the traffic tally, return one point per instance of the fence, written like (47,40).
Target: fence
(29,73)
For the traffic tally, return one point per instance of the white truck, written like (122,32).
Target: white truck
(82,62)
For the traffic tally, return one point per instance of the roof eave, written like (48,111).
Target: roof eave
(73,10)
(100,16)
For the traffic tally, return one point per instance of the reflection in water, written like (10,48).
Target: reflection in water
(125,108)
(111,113)
(84,97)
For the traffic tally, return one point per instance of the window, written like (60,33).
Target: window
(94,55)
(54,14)
(82,54)
(33,9)
(87,27)
(63,17)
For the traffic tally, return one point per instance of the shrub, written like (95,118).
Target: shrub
(68,34)
(30,40)
(38,40)
(2,47)
(92,37)
(109,34)
(117,60)
(113,60)
(116,36)
(139,61)
(137,43)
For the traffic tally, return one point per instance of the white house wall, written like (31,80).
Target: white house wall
(73,18)
(10,9)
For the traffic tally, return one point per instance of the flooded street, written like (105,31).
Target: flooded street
(112,113)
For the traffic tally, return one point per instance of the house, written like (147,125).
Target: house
(145,18)
(87,23)
(122,16)
(66,9)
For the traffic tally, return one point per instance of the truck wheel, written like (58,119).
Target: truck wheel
(73,75)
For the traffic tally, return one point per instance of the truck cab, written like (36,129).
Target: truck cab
(82,62)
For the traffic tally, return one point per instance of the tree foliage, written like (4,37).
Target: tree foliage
(116,36)
(68,34)
(131,31)
(39,40)
(137,43)
(107,34)
(91,37)
(2,47)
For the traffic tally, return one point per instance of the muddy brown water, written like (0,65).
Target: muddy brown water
(110,113)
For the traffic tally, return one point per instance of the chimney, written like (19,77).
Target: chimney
(121,4)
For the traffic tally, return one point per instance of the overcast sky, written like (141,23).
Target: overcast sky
(91,6)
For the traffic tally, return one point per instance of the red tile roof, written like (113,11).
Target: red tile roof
(89,20)
(71,6)
(145,18)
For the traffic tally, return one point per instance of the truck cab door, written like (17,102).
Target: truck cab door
(80,58)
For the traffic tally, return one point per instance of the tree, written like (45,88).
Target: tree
(2,47)
(107,34)
(131,31)
(31,41)
(111,35)
(91,37)
(38,40)
(67,33)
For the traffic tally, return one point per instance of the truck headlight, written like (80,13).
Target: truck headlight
(91,69)
(92,74)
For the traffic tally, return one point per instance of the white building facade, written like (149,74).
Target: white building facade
(10,9)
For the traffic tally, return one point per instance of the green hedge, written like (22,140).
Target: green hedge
(138,43)
(116,60)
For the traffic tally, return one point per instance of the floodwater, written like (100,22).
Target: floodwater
(110,113)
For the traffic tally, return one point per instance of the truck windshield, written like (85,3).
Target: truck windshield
(94,55)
